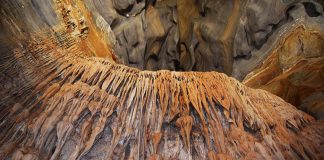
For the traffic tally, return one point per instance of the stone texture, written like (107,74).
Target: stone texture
(211,35)
(80,107)
(232,37)
(64,95)
(20,18)
(263,24)
(294,71)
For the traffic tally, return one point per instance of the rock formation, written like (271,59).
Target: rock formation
(231,36)
(78,107)
(68,89)
(294,71)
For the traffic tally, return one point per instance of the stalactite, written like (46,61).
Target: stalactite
(65,105)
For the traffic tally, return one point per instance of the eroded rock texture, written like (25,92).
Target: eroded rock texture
(77,107)
(264,24)
(294,71)
(173,34)
(24,18)
(230,36)
(63,96)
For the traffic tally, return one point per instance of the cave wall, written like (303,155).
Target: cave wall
(232,36)
(294,71)
(264,24)
(63,95)
(226,36)
(57,102)
(21,19)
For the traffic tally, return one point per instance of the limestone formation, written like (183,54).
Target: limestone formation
(84,79)
(231,36)
(78,107)
(294,71)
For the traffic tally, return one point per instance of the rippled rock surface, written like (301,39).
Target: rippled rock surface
(227,36)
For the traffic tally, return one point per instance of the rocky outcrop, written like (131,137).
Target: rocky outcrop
(77,107)
(294,71)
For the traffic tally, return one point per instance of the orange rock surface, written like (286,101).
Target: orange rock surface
(64,94)
(79,107)
(295,71)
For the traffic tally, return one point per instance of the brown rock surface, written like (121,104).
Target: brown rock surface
(63,96)
(229,36)
(295,71)
(77,107)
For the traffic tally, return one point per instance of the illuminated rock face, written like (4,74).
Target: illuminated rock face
(77,107)
(64,95)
